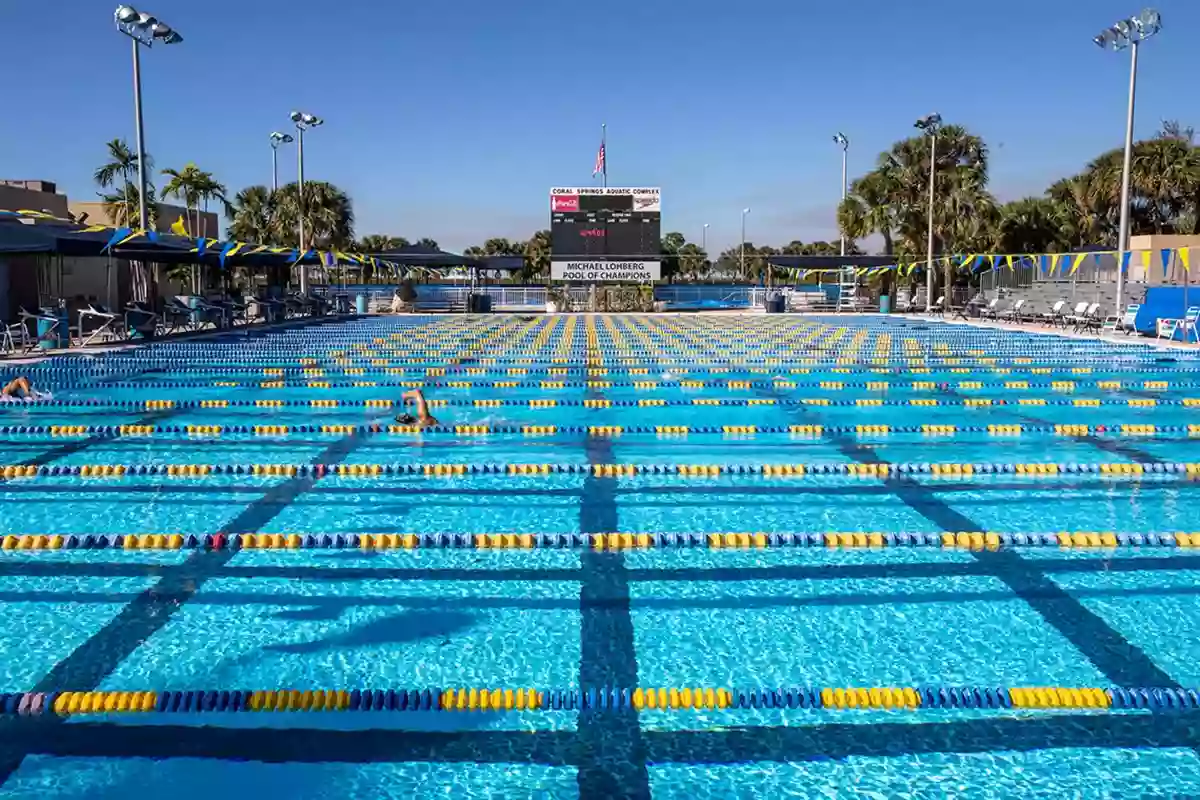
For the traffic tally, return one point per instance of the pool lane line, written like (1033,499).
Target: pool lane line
(947,431)
(801,471)
(612,751)
(553,402)
(600,700)
(90,663)
(607,541)
(1118,659)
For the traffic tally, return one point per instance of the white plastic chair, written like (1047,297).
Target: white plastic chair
(1168,328)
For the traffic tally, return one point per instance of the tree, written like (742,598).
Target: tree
(187,184)
(328,216)
(380,242)
(252,216)
(123,203)
(537,257)
(425,241)
(669,248)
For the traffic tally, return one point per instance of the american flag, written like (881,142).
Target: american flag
(601,167)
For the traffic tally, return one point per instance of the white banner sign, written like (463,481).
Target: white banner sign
(602,271)
(604,190)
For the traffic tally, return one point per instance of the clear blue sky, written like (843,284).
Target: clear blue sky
(453,119)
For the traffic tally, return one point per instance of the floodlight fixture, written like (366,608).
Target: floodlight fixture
(840,138)
(144,28)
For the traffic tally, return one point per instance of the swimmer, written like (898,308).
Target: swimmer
(423,418)
(18,388)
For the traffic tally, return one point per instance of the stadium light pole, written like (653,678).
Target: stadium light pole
(840,139)
(704,240)
(277,139)
(303,122)
(930,125)
(742,256)
(144,30)
(1128,33)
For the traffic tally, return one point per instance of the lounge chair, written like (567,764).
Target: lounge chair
(1128,322)
(1054,315)
(1089,319)
(938,309)
(141,321)
(991,310)
(1168,328)
(104,324)
(15,338)
(1015,314)
(178,317)
(54,330)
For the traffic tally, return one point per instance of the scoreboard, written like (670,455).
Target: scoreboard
(605,234)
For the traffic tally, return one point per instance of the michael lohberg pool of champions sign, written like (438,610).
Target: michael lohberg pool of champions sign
(605,234)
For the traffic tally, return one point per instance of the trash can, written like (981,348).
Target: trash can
(885,304)
(54,329)
(360,304)
(774,303)
(479,303)
(194,304)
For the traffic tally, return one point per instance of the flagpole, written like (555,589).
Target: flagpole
(604,146)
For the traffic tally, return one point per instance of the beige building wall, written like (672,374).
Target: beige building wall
(1151,273)
(210,223)
(19,195)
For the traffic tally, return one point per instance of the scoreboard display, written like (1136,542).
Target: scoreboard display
(605,233)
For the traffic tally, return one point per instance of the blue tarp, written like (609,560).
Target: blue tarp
(1165,302)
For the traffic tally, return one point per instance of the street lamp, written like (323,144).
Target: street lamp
(277,139)
(840,139)
(930,125)
(1128,33)
(144,30)
(303,122)
(742,257)
(704,241)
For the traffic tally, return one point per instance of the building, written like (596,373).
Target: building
(37,195)
(210,224)
(31,281)
(21,195)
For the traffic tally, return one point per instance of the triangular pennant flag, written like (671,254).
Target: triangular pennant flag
(1185,257)
(117,235)
(178,227)
(226,250)
(1054,259)
(1165,257)
(1009,261)
(1124,261)
(1076,262)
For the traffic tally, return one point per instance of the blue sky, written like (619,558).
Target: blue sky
(453,119)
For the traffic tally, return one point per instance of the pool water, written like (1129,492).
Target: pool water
(725,425)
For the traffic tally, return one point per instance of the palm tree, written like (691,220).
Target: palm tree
(328,216)
(211,189)
(123,204)
(186,185)
(252,216)
(123,207)
(379,242)
(537,256)
(425,241)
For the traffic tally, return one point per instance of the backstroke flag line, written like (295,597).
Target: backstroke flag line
(601,167)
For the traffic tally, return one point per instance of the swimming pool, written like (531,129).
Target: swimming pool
(758,508)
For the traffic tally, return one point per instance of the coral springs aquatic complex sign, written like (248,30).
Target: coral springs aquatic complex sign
(606,271)
(605,233)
